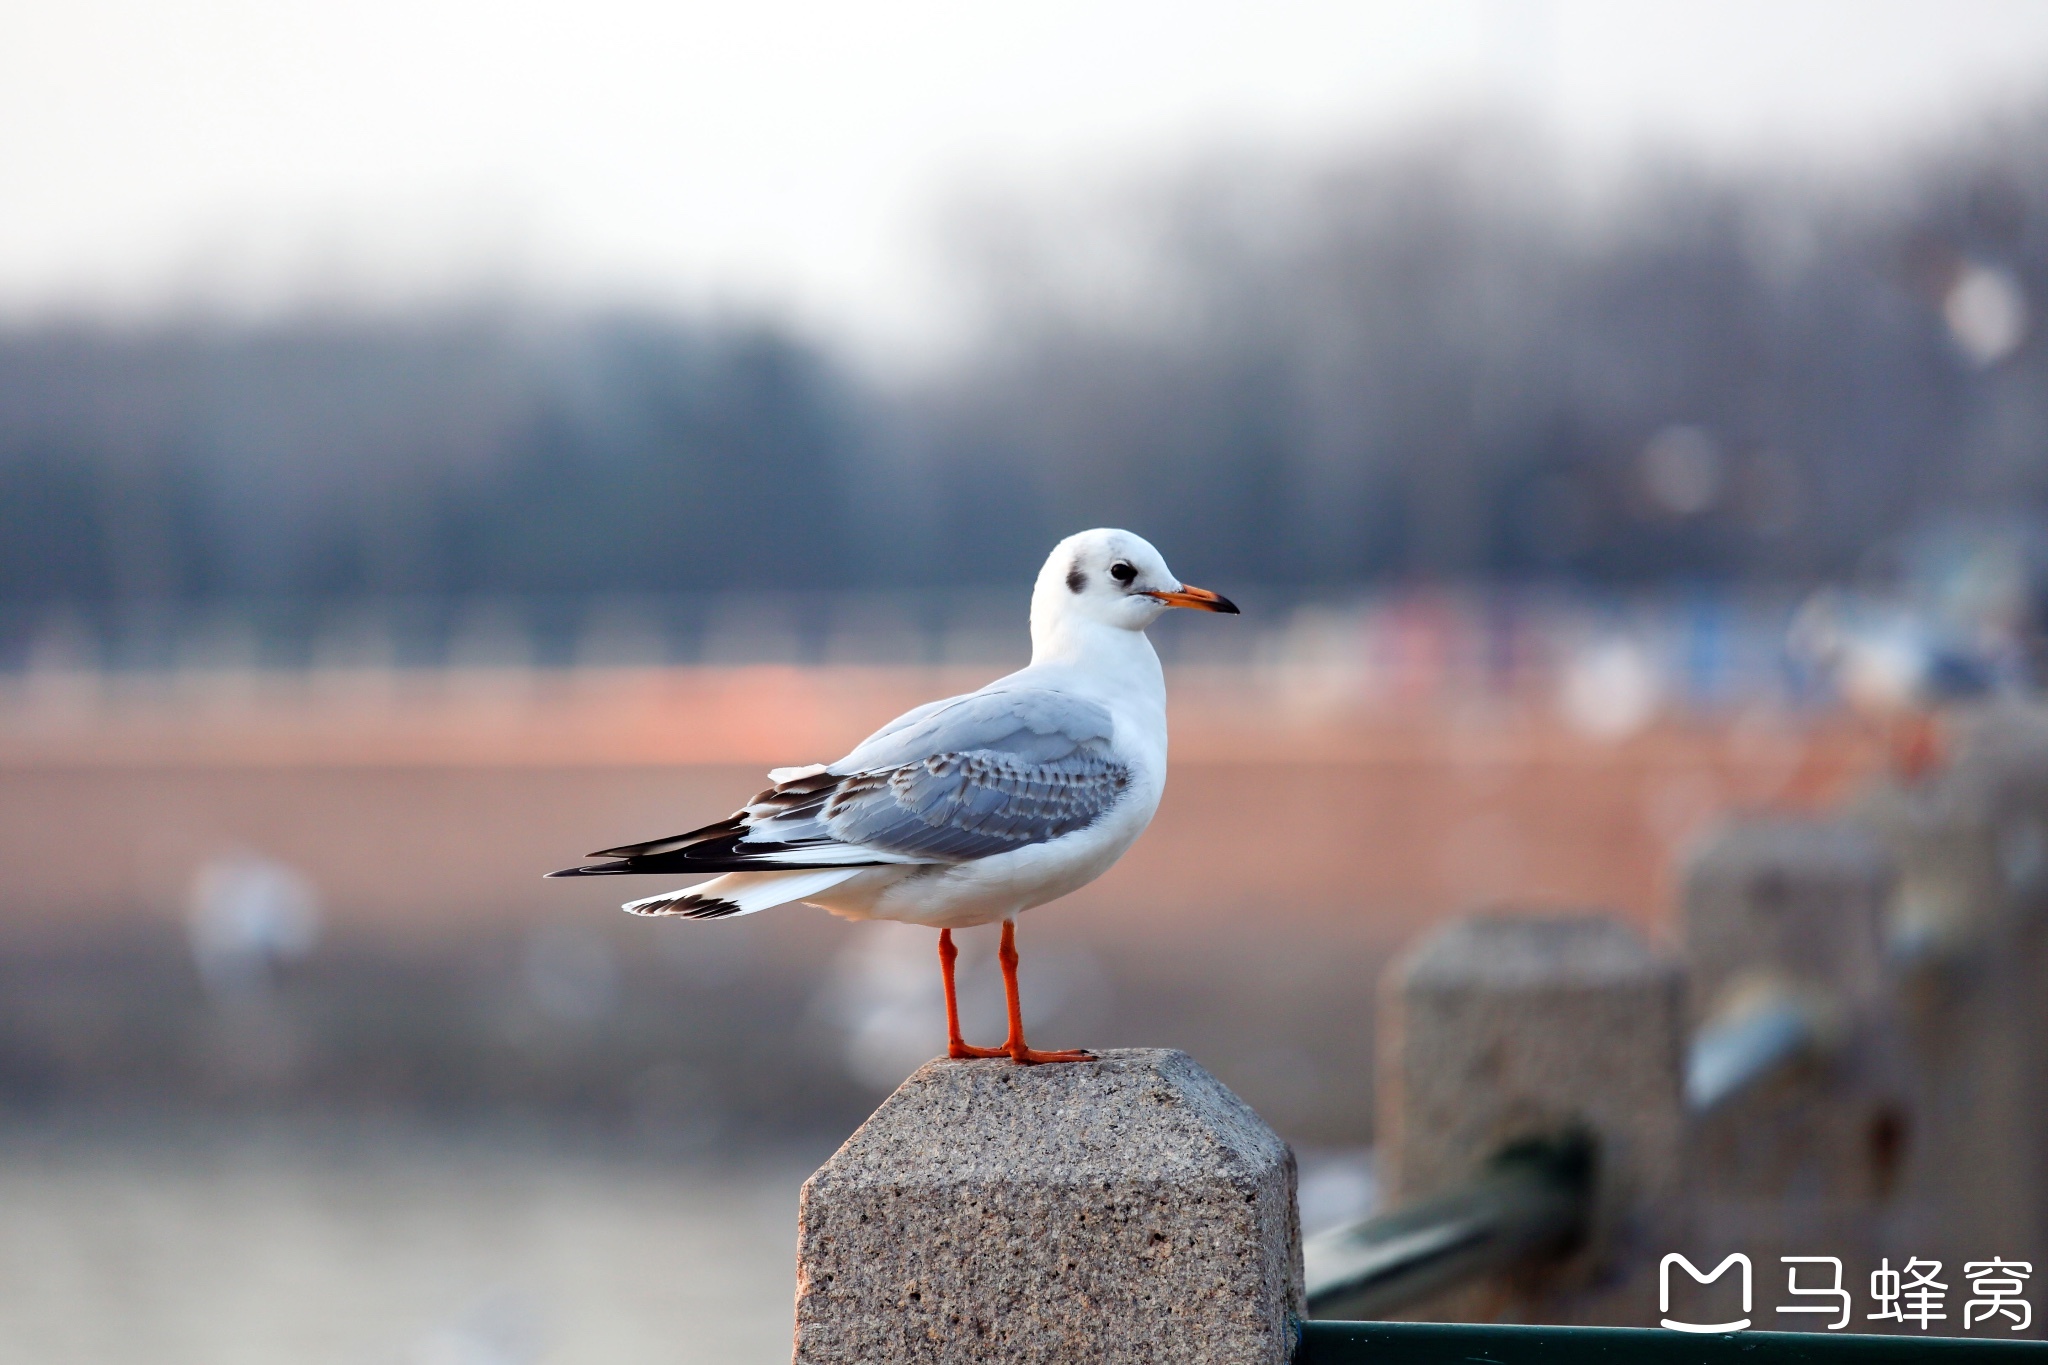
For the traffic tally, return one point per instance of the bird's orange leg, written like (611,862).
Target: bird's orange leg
(1015,1046)
(956,1046)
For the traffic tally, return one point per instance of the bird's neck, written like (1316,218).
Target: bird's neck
(1123,659)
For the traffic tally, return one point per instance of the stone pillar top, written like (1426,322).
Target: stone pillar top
(1126,1209)
(1782,845)
(1793,900)
(1529,950)
(1133,1114)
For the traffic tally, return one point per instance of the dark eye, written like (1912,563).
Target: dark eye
(1122,572)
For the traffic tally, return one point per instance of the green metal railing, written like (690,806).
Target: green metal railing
(1439,1343)
(1532,1199)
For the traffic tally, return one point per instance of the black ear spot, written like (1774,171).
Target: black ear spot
(1076,580)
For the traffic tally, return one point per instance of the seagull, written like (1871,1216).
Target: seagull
(970,809)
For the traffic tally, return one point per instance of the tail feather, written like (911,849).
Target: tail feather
(740,893)
(776,830)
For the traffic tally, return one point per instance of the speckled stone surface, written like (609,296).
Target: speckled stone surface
(1129,1209)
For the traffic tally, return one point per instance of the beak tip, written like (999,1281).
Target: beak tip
(1201,599)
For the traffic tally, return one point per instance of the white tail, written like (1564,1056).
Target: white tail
(741,893)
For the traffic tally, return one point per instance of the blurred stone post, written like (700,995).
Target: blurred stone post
(1499,1028)
(1129,1209)
(1968,940)
(1786,914)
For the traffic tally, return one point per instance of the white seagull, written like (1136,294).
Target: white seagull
(972,809)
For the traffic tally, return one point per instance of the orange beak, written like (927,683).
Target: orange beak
(1201,599)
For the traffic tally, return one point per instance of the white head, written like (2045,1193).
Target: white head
(1108,578)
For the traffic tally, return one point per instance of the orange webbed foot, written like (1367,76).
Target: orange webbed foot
(961,1052)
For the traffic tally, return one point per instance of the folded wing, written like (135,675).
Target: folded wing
(954,781)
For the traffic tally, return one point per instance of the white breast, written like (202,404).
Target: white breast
(960,895)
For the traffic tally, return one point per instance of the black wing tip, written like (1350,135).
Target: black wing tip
(685,907)
(592,870)
(732,826)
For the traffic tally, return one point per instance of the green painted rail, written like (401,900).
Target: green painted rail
(1440,1343)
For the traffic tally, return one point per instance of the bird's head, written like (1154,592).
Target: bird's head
(1112,578)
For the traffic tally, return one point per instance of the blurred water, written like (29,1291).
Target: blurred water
(387,1247)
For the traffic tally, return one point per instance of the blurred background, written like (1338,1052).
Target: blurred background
(440,439)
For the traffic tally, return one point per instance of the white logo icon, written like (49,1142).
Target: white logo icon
(1664,1291)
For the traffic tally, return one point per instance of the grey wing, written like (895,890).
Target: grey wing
(978,775)
(960,779)
(893,741)
(1034,723)
(960,806)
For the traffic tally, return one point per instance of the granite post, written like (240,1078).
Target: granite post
(1969,938)
(1788,912)
(1499,1028)
(1128,1209)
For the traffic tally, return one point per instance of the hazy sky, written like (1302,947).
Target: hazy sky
(793,153)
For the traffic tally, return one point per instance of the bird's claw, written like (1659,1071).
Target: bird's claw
(961,1052)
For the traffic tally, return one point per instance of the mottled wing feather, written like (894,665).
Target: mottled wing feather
(952,781)
(958,806)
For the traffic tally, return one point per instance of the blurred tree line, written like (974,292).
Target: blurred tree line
(1440,357)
